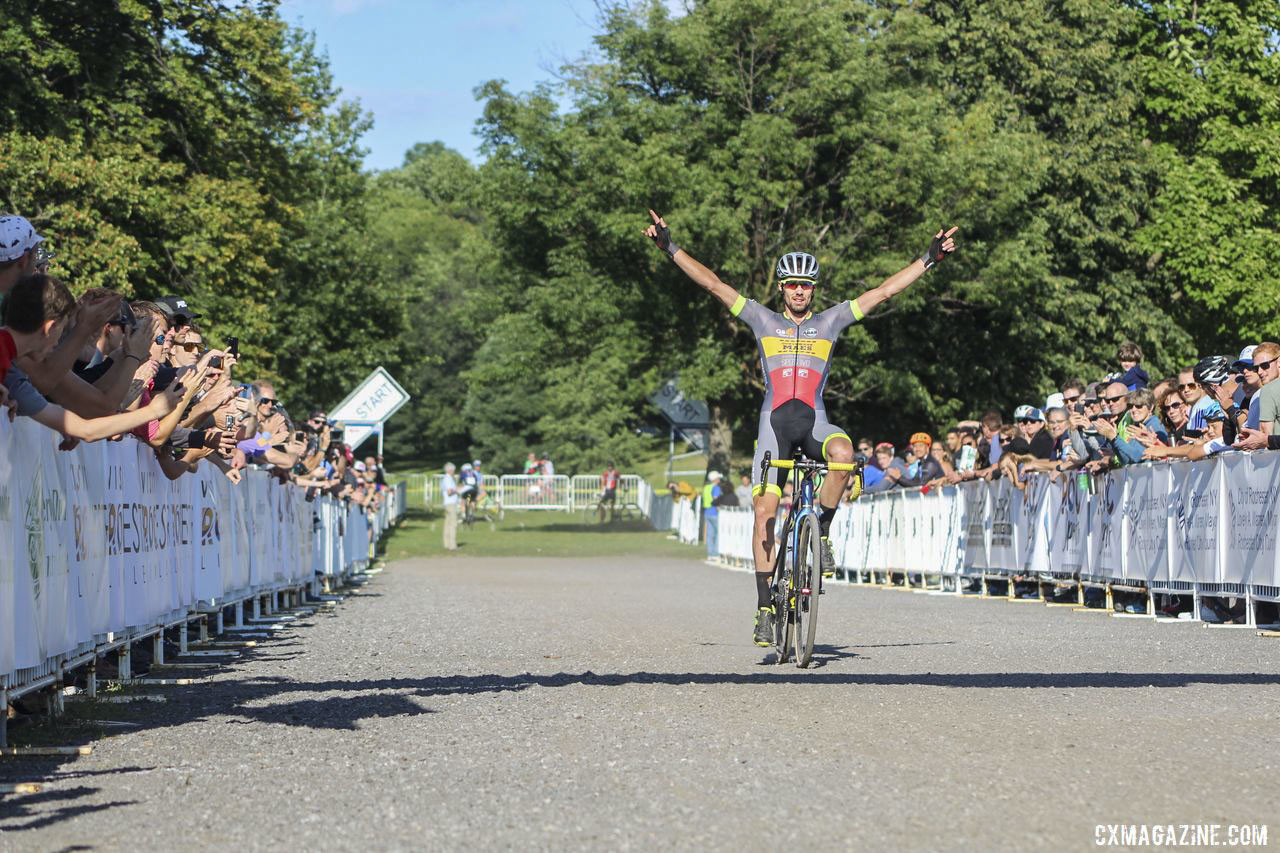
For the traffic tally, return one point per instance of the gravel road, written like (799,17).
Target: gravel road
(548,704)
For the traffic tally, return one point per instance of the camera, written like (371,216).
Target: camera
(1078,408)
(127,319)
(336,435)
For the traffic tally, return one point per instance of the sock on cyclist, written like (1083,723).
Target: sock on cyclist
(825,514)
(763,580)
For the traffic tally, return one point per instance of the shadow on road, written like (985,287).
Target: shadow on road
(460,684)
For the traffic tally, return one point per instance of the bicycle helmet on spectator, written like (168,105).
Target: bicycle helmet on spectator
(798,265)
(466,466)
(1213,370)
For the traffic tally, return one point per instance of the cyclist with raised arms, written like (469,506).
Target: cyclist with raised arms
(795,356)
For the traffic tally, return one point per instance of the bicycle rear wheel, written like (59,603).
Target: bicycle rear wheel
(808,575)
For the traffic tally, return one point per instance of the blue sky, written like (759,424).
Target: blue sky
(414,63)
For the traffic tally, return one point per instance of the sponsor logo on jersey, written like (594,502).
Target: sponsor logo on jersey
(811,332)
(819,348)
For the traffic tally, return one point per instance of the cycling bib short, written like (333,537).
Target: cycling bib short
(796,360)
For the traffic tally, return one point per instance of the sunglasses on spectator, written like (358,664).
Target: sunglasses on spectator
(191,346)
(266,401)
(1057,421)
(1026,420)
(1067,399)
(1178,404)
(1185,385)
(161,338)
(1110,400)
(793,283)
(1261,366)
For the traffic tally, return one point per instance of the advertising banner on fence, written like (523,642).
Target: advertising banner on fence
(98,540)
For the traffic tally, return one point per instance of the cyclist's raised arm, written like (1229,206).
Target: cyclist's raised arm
(943,244)
(660,234)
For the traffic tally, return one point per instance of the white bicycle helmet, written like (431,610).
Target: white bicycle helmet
(798,265)
(466,466)
(1213,370)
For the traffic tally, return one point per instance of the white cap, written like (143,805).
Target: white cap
(466,466)
(17,237)
(713,476)
(359,466)
(1247,352)
(1028,412)
(1055,401)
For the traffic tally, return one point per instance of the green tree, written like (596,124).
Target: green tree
(1210,73)
(854,136)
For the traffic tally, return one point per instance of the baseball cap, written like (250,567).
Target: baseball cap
(17,237)
(922,437)
(359,466)
(1245,359)
(176,306)
(713,476)
(1055,401)
(1027,413)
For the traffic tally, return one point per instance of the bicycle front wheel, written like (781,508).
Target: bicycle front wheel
(808,576)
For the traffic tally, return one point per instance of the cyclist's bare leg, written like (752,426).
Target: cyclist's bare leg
(839,449)
(766,515)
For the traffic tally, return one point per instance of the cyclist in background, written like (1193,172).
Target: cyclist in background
(609,489)
(469,488)
(795,356)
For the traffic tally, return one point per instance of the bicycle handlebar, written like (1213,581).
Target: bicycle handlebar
(790,464)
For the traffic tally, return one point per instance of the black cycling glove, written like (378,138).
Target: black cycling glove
(934,252)
(663,239)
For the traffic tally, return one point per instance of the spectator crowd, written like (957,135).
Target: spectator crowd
(103,367)
(1213,406)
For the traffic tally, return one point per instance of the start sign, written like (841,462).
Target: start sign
(375,399)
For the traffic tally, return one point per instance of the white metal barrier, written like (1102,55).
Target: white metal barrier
(1201,528)
(433,492)
(99,548)
(535,491)
(688,520)
(585,490)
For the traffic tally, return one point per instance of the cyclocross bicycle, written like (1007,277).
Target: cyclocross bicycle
(798,568)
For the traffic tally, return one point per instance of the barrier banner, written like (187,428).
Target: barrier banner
(85,476)
(913,534)
(977,526)
(1196,517)
(1145,516)
(1249,518)
(1006,511)
(1031,531)
(30,593)
(8,528)
(1106,528)
(1068,548)
(949,520)
(97,540)
(208,584)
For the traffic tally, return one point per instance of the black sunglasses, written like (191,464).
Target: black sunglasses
(1260,366)
(266,401)
(1186,385)
(1109,400)
(160,339)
